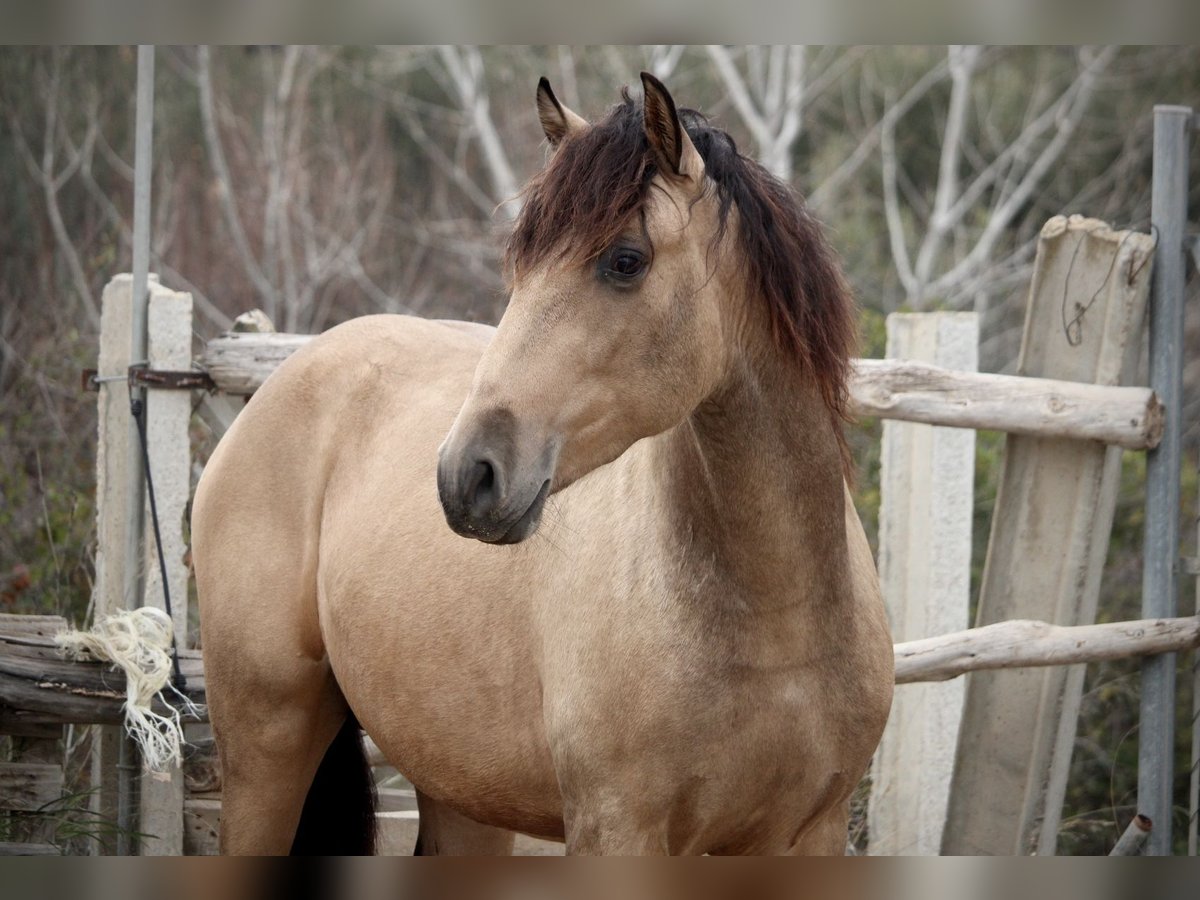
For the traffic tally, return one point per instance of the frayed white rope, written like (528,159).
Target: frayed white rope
(139,642)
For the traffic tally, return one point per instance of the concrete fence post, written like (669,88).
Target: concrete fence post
(168,413)
(927,497)
(114,454)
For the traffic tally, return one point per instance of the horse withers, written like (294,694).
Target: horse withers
(595,576)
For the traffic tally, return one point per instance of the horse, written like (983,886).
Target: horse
(595,575)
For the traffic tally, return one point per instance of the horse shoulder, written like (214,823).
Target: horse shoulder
(871,653)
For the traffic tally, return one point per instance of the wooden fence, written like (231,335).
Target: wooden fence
(42,692)
(1069,414)
(900,389)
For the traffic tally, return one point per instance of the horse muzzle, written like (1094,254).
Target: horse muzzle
(488,491)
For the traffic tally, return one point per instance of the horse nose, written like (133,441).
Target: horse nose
(493,478)
(481,495)
(471,490)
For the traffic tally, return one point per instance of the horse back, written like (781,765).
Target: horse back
(258,508)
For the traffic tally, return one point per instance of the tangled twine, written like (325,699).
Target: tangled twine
(139,642)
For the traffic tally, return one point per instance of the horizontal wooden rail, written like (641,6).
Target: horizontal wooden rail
(1129,417)
(37,685)
(1021,643)
(238,363)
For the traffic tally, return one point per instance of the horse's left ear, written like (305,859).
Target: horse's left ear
(557,120)
(669,139)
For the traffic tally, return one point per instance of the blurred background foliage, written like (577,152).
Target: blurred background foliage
(324,183)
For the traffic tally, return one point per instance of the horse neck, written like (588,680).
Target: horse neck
(755,482)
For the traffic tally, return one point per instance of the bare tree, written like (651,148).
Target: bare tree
(321,207)
(661,59)
(768,94)
(52,178)
(166,216)
(960,229)
(447,127)
(568,77)
(464,75)
(771,87)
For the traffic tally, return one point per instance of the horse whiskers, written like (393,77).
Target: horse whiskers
(560,520)
(559,523)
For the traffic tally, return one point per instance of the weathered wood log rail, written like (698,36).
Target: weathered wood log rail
(1022,644)
(1129,417)
(38,685)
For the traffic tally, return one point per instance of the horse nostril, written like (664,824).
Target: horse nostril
(481,488)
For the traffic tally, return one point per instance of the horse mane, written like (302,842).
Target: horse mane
(599,179)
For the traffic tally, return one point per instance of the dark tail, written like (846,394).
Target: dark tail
(339,812)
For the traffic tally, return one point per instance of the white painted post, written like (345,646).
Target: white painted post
(113,456)
(927,494)
(168,415)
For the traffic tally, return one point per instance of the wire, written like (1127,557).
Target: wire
(137,408)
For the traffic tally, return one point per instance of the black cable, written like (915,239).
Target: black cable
(137,409)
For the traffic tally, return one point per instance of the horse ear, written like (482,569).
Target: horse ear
(674,149)
(557,121)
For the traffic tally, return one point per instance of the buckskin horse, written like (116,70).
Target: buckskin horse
(592,576)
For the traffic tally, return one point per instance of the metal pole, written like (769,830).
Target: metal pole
(1194,781)
(1194,778)
(127,763)
(1160,577)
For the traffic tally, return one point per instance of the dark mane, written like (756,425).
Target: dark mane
(599,179)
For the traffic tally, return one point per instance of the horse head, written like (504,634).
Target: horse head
(614,330)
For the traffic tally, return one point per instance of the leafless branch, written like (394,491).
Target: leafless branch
(1067,121)
(962,61)
(663,58)
(823,195)
(769,98)
(570,83)
(891,206)
(51,182)
(233,220)
(465,68)
(114,218)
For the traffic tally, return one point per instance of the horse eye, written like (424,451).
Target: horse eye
(624,264)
